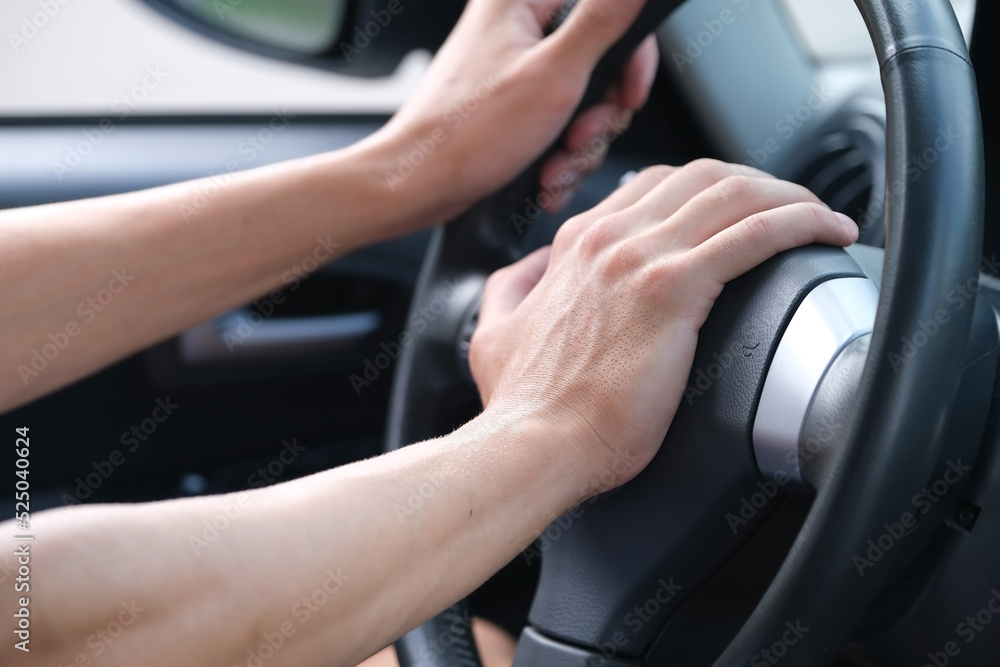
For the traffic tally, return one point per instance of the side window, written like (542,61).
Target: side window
(93,59)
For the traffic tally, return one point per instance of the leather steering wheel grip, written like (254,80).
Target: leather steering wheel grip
(444,641)
(934,242)
(935,225)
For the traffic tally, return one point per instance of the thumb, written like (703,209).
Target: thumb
(590,30)
(508,287)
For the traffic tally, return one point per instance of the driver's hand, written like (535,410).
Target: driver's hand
(498,94)
(597,333)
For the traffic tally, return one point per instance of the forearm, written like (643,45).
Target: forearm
(85,283)
(337,564)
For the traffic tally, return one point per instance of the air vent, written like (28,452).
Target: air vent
(845,169)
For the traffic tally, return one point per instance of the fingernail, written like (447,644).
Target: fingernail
(847,221)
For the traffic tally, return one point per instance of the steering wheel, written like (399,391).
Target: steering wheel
(807,378)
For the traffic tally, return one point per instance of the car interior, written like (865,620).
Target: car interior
(826,493)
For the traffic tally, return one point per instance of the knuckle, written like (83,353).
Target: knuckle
(818,213)
(599,235)
(740,186)
(494,282)
(656,173)
(661,278)
(631,252)
(649,178)
(709,169)
(815,217)
(747,170)
(566,234)
(805,194)
(761,227)
(625,258)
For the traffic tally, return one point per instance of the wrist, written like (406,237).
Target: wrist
(418,167)
(558,449)
(361,183)
(570,444)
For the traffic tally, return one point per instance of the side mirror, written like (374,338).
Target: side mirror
(360,37)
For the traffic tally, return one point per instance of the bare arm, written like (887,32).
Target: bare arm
(99,279)
(581,357)
(329,569)
(85,283)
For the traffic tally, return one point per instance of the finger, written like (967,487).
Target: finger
(545,12)
(637,79)
(632,192)
(686,183)
(560,180)
(591,28)
(737,249)
(622,198)
(728,201)
(508,287)
(587,143)
(591,133)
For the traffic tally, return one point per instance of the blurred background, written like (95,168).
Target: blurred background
(91,52)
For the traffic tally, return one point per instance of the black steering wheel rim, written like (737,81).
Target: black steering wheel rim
(933,245)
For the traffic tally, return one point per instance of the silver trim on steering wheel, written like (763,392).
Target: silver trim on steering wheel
(832,315)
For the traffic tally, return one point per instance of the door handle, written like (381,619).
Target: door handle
(238,339)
